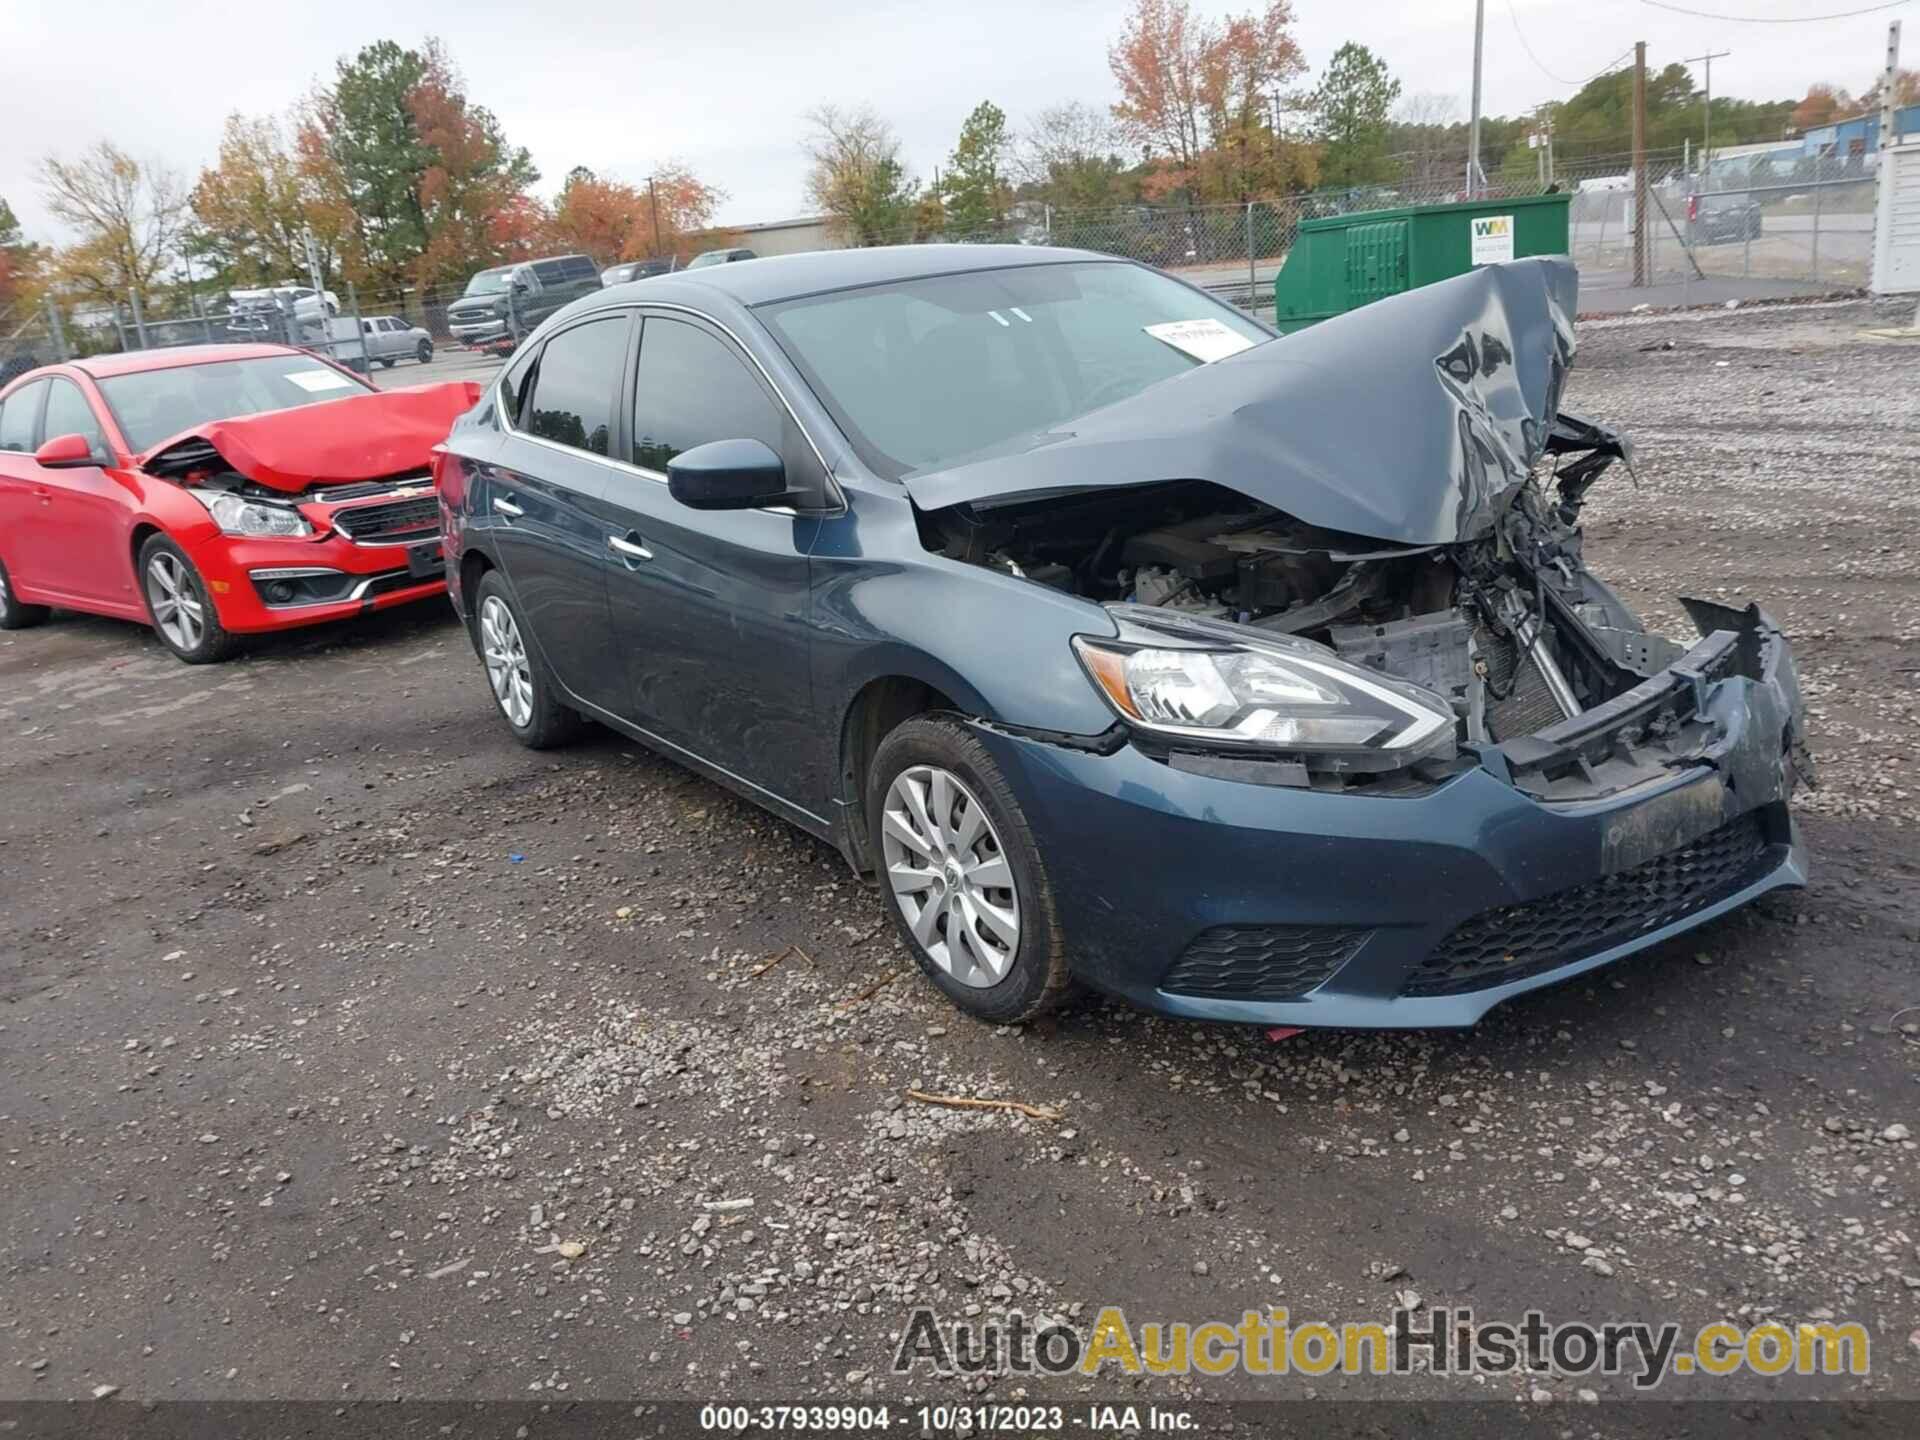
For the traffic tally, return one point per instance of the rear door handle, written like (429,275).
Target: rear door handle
(507,508)
(628,547)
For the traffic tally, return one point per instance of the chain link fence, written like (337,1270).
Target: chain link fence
(1771,216)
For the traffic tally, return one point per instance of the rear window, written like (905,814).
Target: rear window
(154,405)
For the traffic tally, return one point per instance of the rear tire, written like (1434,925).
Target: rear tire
(386,362)
(15,613)
(962,875)
(524,690)
(180,606)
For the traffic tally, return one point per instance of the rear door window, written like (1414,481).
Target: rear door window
(574,386)
(18,415)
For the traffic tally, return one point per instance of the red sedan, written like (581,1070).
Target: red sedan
(217,491)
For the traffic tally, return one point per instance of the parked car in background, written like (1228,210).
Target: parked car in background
(300,299)
(389,338)
(1120,640)
(1717,217)
(217,491)
(503,304)
(637,269)
(720,257)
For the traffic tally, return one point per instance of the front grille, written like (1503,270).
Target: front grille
(1261,962)
(393,523)
(1514,941)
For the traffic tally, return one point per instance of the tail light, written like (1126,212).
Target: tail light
(1693,207)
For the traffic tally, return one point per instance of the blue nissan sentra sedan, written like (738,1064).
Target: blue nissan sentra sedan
(1124,643)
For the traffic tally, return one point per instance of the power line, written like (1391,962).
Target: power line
(1520,35)
(1772,19)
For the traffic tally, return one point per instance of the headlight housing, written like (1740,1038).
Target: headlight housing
(237,515)
(1230,687)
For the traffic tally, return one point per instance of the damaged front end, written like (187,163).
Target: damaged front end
(1259,634)
(1575,785)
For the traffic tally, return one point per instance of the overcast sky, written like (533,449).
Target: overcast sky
(620,85)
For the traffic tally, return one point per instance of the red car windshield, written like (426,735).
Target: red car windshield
(154,405)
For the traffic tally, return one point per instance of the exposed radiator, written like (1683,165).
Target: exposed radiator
(1529,705)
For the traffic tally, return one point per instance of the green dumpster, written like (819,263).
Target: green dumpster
(1341,262)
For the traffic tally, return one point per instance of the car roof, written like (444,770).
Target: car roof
(100,367)
(786,277)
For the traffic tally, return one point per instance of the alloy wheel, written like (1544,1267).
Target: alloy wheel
(506,657)
(177,607)
(950,876)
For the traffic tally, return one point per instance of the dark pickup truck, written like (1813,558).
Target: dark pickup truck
(504,304)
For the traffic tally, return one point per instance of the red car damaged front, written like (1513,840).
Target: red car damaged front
(318,512)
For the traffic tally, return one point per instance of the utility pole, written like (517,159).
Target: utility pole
(1891,74)
(1640,162)
(653,194)
(1473,129)
(1706,145)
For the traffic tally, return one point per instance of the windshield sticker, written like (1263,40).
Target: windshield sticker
(315,381)
(1204,340)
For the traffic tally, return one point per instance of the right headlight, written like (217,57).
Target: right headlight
(237,515)
(1224,685)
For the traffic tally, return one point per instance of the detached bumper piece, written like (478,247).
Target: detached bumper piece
(1515,941)
(1262,962)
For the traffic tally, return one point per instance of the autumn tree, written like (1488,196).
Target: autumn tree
(612,220)
(1199,98)
(252,208)
(974,189)
(127,215)
(1822,105)
(1071,156)
(1352,106)
(1248,61)
(1157,63)
(855,175)
(473,180)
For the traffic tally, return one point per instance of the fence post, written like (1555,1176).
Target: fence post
(118,328)
(139,320)
(206,320)
(59,331)
(1253,299)
(1819,189)
(359,330)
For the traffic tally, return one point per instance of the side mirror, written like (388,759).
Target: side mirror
(727,475)
(65,452)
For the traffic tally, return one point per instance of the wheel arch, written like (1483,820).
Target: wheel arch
(878,708)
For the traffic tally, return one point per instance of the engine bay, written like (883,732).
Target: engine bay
(1509,628)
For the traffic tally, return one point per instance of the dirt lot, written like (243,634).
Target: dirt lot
(349,1051)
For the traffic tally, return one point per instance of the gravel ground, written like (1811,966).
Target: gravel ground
(349,1051)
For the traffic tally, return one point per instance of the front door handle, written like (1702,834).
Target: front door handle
(507,508)
(628,547)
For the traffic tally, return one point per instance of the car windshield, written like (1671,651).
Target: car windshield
(153,405)
(923,372)
(489,282)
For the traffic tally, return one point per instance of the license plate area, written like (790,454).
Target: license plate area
(426,562)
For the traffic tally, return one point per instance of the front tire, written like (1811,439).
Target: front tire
(15,613)
(425,353)
(962,875)
(179,606)
(523,688)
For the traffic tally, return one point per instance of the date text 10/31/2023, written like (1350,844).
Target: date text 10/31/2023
(947,1418)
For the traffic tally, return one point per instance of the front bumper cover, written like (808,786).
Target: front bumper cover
(1152,865)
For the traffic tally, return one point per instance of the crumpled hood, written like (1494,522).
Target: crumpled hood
(362,437)
(1409,420)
